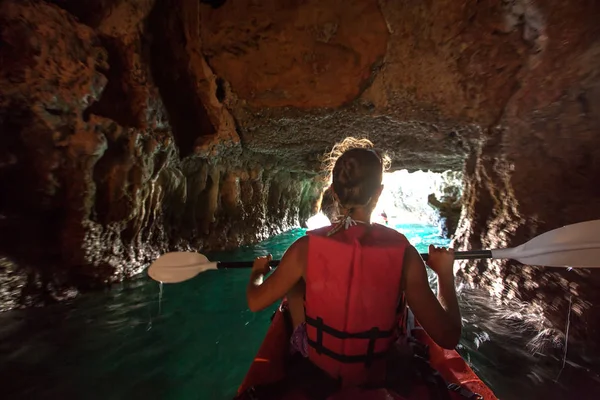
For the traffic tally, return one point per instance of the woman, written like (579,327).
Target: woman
(346,283)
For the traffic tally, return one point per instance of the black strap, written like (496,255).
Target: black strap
(371,346)
(346,359)
(372,334)
(319,325)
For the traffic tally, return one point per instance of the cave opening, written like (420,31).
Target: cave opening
(415,198)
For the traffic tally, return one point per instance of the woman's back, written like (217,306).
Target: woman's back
(353,283)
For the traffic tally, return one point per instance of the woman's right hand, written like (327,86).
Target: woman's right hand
(261,266)
(441,260)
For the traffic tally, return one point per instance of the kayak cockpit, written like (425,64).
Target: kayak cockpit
(277,374)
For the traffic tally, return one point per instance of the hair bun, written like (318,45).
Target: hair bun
(349,173)
(357,174)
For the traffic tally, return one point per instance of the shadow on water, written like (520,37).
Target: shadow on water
(117,345)
(497,341)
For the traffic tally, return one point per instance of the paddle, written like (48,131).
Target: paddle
(575,246)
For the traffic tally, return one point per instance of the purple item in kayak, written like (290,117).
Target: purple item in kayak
(298,342)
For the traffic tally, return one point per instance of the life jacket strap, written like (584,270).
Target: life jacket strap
(319,325)
(372,335)
(347,359)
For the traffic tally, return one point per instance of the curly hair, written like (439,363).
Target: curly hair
(328,205)
(356,171)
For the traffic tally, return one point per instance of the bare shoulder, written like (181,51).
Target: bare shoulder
(412,258)
(296,256)
(299,248)
(413,269)
(391,234)
(411,253)
(303,241)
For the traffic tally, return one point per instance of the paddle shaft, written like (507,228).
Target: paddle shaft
(459,255)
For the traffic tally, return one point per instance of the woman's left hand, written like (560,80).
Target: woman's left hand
(261,265)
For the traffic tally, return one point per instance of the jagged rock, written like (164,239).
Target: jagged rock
(449,213)
(447,202)
(92,177)
(321,53)
(538,169)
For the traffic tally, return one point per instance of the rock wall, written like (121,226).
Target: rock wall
(538,167)
(304,74)
(448,202)
(116,148)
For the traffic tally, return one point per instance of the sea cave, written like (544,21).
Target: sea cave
(133,128)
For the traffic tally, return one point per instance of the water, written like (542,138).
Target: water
(497,351)
(199,341)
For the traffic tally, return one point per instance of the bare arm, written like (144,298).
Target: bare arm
(439,317)
(291,269)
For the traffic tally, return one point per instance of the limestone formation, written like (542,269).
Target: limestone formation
(447,202)
(111,156)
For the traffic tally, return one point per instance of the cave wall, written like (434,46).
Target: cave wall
(538,168)
(439,71)
(115,148)
(447,202)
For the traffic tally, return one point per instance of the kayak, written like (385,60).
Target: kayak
(272,360)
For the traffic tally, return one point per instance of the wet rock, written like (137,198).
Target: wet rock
(448,211)
(102,170)
(321,53)
(447,202)
(537,169)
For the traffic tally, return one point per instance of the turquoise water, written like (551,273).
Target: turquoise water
(196,343)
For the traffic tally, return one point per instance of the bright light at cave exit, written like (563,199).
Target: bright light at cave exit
(404,199)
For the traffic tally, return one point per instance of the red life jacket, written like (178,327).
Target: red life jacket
(353,299)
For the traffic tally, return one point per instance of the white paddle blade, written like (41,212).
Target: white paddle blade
(576,246)
(177,267)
